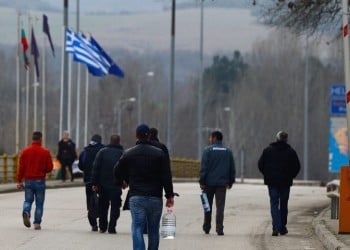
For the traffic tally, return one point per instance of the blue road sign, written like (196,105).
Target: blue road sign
(338,91)
(337,100)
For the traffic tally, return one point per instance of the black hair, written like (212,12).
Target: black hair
(115,139)
(37,135)
(217,135)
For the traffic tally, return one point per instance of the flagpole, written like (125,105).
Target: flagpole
(64,74)
(26,129)
(86,105)
(61,85)
(17,84)
(77,132)
(35,85)
(69,112)
(43,117)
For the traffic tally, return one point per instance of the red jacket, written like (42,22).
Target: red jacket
(34,163)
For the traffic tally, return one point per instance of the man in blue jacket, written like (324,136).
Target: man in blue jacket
(279,163)
(86,160)
(217,174)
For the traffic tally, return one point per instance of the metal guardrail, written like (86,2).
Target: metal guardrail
(333,194)
(180,168)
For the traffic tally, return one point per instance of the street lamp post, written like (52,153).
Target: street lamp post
(120,106)
(139,97)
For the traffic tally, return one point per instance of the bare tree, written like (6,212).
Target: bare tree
(302,16)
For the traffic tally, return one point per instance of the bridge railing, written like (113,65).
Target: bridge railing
(180,168)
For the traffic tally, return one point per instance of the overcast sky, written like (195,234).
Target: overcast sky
(147,27)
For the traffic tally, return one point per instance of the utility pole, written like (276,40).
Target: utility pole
(171,82)
(200,88)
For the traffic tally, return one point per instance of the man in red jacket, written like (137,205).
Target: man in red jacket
(34,163)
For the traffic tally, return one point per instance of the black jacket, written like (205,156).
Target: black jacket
(102,170)
(86,159)
(146,169)
(279,163)
(66,151)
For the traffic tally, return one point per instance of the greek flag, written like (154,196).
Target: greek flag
(86,52)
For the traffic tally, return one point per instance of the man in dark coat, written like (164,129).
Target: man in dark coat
(103,182)
(66,155)
(279,163)
(86,160)
(217,174)
(146,170)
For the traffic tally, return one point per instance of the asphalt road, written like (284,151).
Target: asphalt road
(247,222)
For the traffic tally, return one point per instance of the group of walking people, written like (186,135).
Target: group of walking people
(145,170)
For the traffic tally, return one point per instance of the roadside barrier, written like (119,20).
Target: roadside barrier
(180,168)
(333,194)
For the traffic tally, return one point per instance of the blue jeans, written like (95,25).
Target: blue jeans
(279,197)
(34,189)
(145,210)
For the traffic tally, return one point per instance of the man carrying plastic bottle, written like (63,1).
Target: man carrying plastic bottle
(217,174)
(145,169)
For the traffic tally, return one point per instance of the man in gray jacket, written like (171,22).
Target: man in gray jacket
(217,174)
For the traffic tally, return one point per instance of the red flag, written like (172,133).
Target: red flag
(25,48)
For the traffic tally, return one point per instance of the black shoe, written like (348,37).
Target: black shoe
(220,233)
(26,219)
(112,231)
(102,231)
(274,233)
(283,231)
(94,228)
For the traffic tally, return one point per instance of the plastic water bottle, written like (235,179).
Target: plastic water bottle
(168,225)
(205,202)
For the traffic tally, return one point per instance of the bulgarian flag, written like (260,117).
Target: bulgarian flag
(25,48)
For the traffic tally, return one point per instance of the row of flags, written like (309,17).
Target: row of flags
(34,46)
(84,50)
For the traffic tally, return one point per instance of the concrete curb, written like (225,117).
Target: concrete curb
(328,239)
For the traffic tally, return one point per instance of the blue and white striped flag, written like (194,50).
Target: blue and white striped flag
(86,52)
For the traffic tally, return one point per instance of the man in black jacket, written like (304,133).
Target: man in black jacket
(103,182)
(279,163)
(66,155)
(145,169)
(86,160)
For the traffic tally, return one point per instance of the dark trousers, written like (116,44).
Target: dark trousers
(220,196)
(109,197)
(279,197)
(89,193)
(64,164)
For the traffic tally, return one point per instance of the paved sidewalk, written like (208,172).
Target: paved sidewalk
(325,228)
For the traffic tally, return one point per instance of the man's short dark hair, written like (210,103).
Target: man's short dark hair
(37,135)
(217,135)
(153,133)
(115,139)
